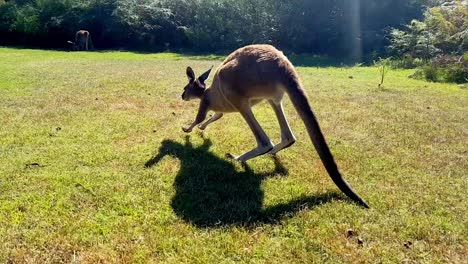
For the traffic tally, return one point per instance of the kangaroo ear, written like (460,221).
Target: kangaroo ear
(205,75)
(190,74)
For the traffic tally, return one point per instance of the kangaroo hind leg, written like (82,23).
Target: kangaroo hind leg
(287,137)
(264,145)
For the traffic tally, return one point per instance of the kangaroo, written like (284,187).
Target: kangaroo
(82,41)
(245,78)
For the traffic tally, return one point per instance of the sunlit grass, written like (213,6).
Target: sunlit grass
(78,128)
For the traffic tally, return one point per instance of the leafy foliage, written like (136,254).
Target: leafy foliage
(348,29)
(440,40)
(416,41)
(447,69)
(444,29)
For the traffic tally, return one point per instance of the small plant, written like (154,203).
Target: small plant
(383,65)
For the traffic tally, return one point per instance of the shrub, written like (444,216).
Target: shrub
(407,62)
(447,69)
(438,41)
(442,31)
(430,73)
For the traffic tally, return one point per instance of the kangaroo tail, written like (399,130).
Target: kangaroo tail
(91,46)
(87,38)
(302,105)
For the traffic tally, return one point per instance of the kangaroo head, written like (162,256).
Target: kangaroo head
(196,86)
(72,46)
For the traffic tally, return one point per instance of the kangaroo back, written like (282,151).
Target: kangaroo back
(302,105)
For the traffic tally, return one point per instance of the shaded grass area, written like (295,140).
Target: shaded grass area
(78,129)
(216,194)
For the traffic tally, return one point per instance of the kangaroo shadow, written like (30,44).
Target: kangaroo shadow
(211,192)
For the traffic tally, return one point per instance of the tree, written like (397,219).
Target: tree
(340,28)
(444,29)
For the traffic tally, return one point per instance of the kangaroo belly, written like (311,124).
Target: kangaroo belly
(269,91)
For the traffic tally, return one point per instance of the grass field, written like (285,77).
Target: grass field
(78,128)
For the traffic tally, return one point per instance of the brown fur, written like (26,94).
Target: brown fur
(82,41)
(246,77)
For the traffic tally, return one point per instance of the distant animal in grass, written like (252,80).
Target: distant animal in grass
(82,41)
(248,76)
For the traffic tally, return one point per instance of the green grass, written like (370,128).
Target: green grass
(87,123)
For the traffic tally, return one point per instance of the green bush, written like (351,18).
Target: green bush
(430,73)
(442,31)
(438,42)
(456,74)
(447,69)
(407,62)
